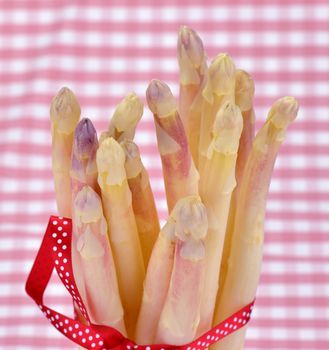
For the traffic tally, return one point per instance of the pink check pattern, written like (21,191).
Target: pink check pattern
(104,49)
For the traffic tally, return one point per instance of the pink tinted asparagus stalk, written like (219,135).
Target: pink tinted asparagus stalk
(192,72)
(104,303)
(156,283)
(119,214)
(244,92)
(142,199)
(181,311)
(219,89)
(180,175)
(64,115)
(217,182)
(125,118)
(246,249)
(83,172)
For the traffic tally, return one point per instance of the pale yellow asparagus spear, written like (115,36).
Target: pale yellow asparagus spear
(219,89)
(64,116)
(142,199)
(179,172)
(217,181)
(181,311)
(244,92)
(119,214)
(156,284)
(104,303)
(125,118)
(246,250)
(192,70)
(83,172)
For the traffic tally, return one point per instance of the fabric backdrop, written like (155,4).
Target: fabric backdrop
(104,49)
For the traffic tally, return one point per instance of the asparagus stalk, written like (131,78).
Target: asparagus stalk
(246,250)
(146,215)
(216,186)
(104,303)
(180,315)
(192,68)
(180,175)
(124,240)
(125,118)
(64,116)
(219,89)
(244,92)
(83,172)
(156,283)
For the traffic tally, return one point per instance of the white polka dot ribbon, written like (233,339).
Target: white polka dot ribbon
(55,251)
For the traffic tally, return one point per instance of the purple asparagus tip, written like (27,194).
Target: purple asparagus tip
(85,139)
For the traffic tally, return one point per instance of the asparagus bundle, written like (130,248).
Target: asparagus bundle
(204,263)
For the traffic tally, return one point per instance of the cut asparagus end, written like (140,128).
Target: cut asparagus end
(221,77)
(110,159)
(127,113)
(133,164)
(87,206)
(65,111)
(244,90)
(191,56)
(226,130)
(191,218)
(160,99)
(283,112)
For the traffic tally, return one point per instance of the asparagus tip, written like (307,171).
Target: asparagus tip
(191,218)
(128,112)
(221,76)
(133,164)
(87,206)
(190,49)
(85,139)
(283,112)
(244,90)
(65,111)
(130,148)
(227,129)
(160,99)
(110,159)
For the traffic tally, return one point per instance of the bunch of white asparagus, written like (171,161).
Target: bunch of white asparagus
(170,285)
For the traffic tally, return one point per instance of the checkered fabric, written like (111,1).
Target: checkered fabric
(104,49)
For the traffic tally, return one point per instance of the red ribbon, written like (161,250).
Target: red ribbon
(55,251)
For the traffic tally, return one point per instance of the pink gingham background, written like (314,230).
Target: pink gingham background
(104,49)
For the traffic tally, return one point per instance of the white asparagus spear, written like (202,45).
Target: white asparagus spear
(156,283)
(104,303)
(219,89)
(119,214)
(181,311)
(179,173)
(244,92)
(142,199)
(192,71)
(64,115)
(216,186)
(83,172)
(125,118)
(246,250)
